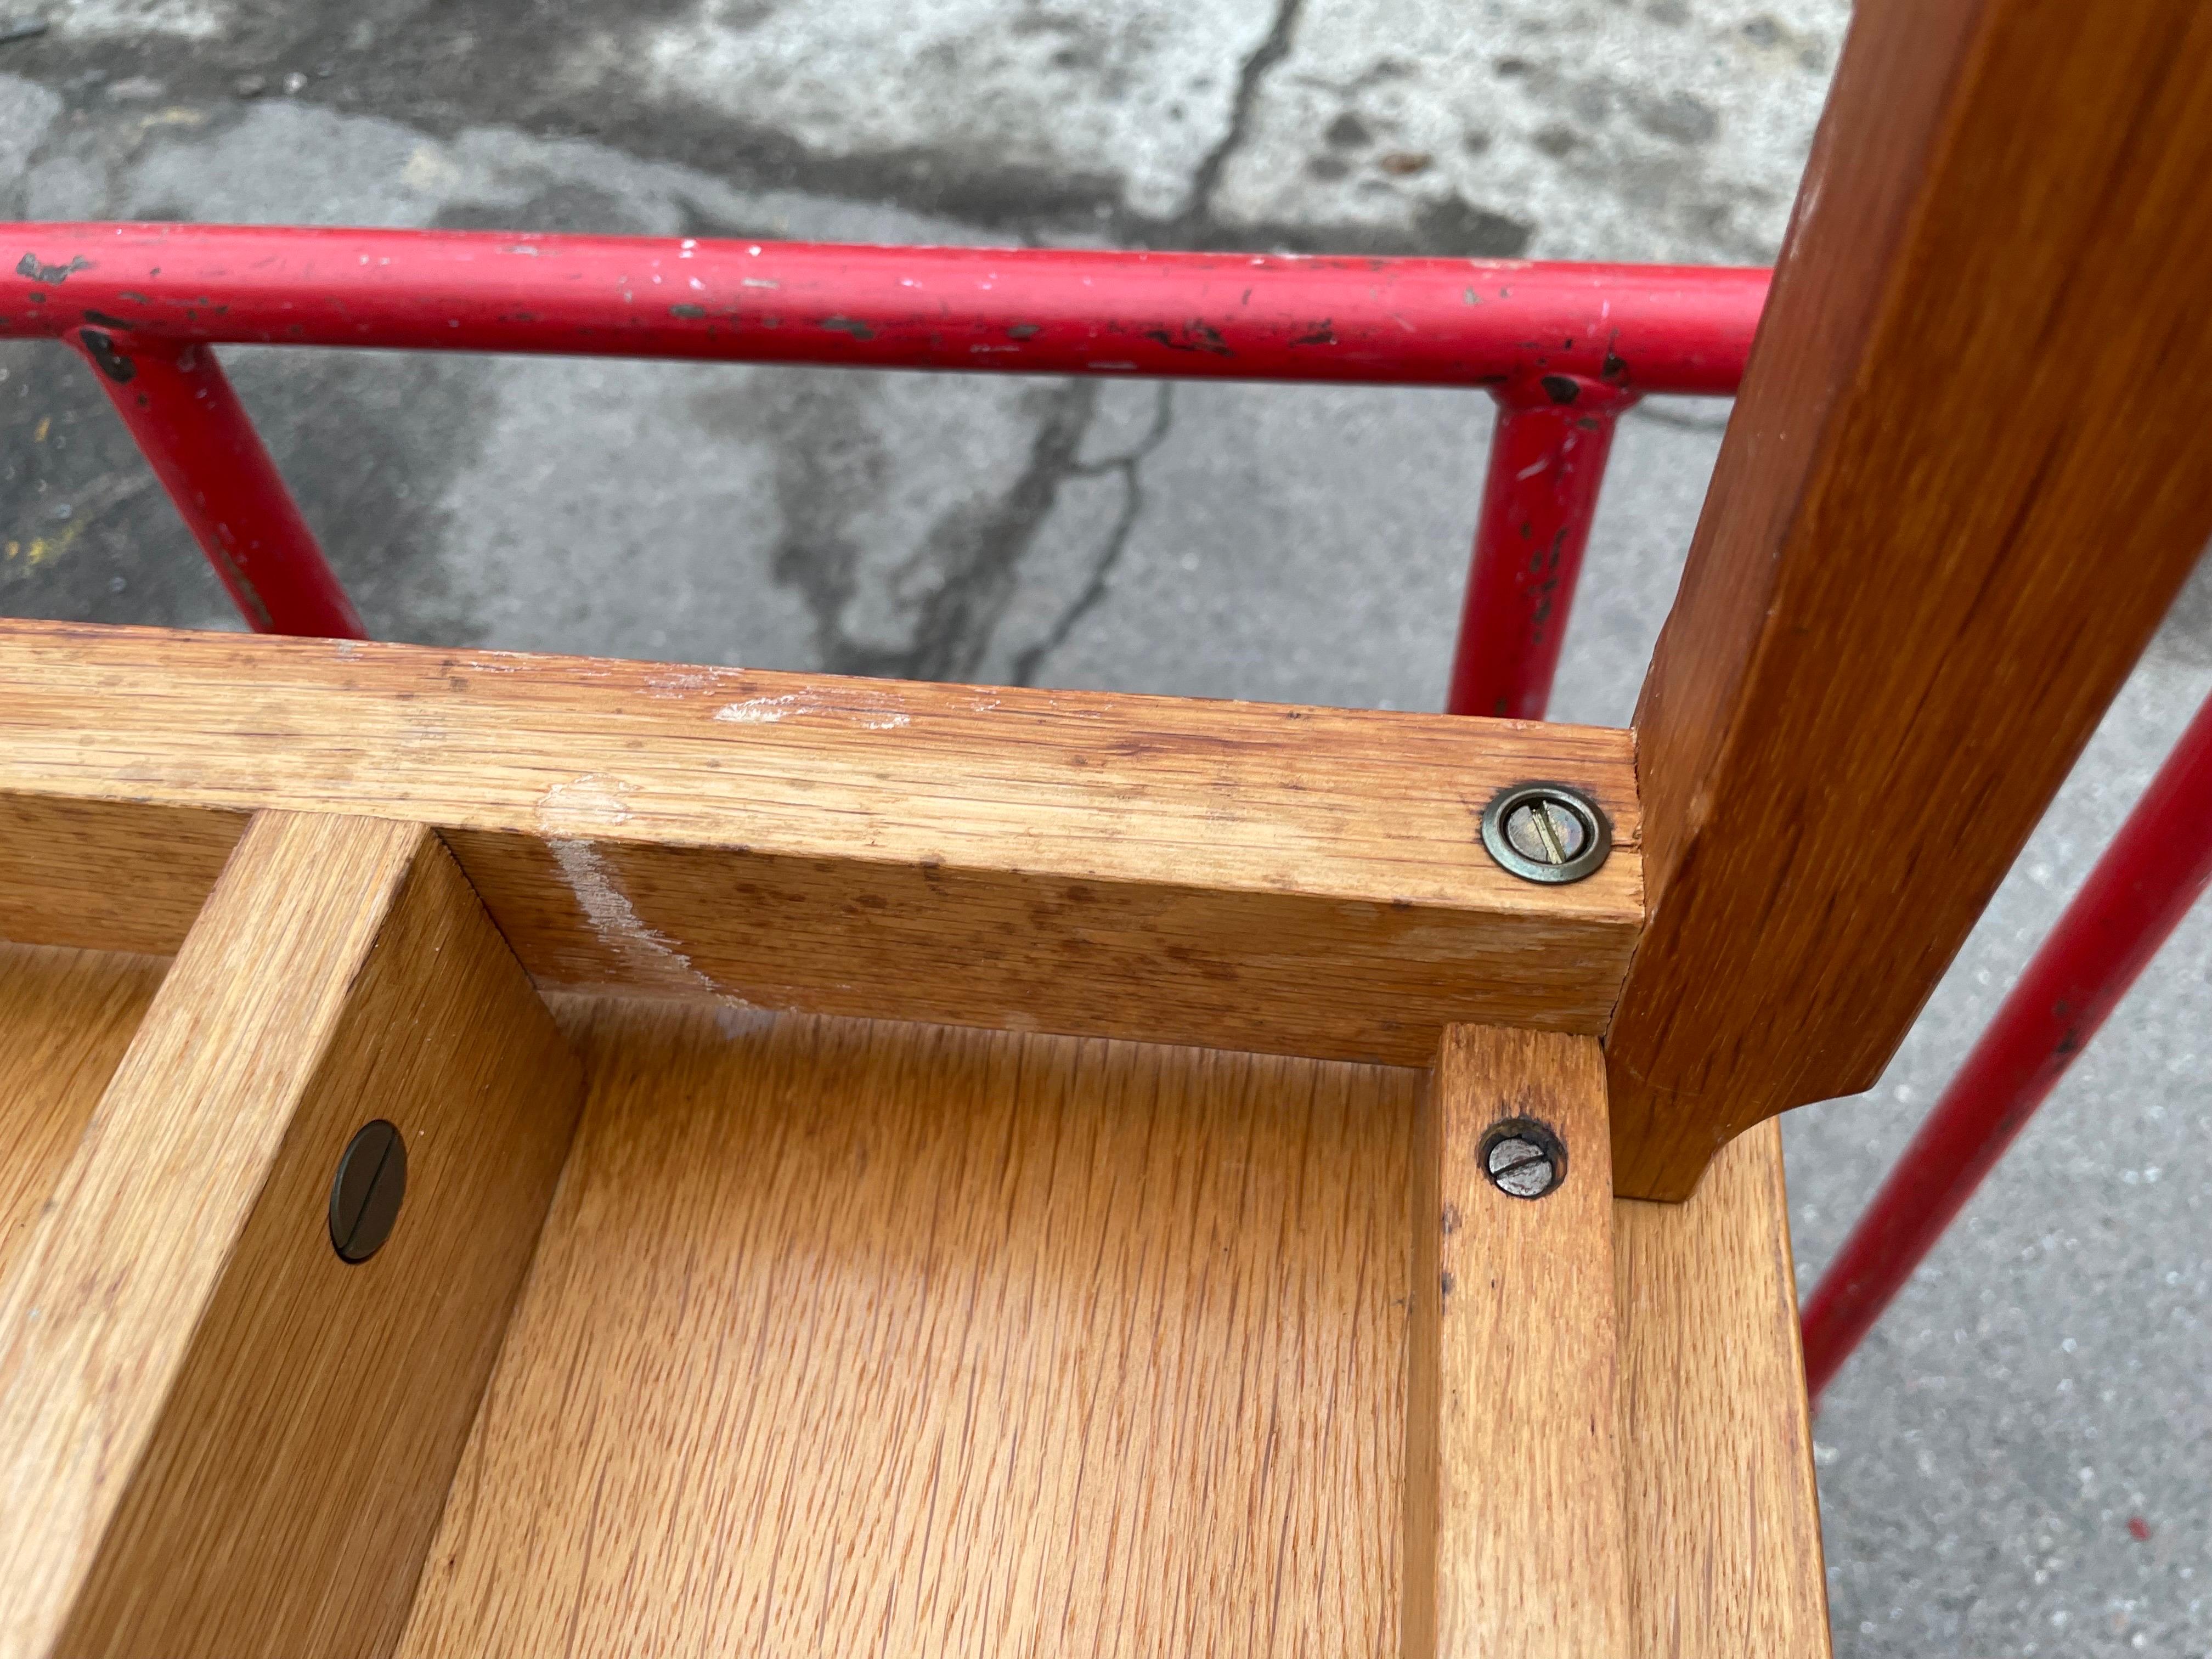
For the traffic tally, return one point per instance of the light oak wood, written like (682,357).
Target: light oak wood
(1723,1519)
(851,1338)
(1515,1542)
(216,1438)
(1283,879)
(89,873)
(1966,473)
(66,1019)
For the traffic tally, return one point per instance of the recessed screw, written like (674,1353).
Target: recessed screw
(1523,1158)
(365,1193)
(1546,832)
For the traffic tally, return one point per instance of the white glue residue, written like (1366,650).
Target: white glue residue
(678,682)
(614,919)
(766,711)
(593,801)
(618,926)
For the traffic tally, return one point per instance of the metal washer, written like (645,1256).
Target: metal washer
(1597,833)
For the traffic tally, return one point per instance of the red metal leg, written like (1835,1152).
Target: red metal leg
(2153,872)
(179,406)
(1548,456)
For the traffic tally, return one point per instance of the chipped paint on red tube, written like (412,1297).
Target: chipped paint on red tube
(1036,311)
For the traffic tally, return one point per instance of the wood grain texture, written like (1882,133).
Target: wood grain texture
(1291,880)
(217,1438)
(66,1019)
(121,877)
(1964,477)
(850,1338)
(1717,1446)
(1515,1542)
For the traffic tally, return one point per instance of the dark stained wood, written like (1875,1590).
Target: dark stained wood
(1965,475)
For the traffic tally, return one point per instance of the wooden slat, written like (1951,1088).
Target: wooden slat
(1965,475)
(66,1019)
(1513,1509)
(871,1339)
(1293,880)
(1717,1447)
(216,1438)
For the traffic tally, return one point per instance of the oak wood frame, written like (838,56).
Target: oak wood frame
(1885,598)
(133,759)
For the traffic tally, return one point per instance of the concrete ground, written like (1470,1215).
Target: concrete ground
(2018,1462)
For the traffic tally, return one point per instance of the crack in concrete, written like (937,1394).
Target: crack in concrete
(976,550)
(958,619)
(1274,46)
(827,460)
(407,76)
(1032,658)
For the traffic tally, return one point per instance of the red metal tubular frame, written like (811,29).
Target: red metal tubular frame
(1565,348)
(1547,456)
(179,404)
(1398,322)
(147,294)
(2154,872)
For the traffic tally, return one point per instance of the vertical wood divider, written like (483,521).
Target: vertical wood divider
(216,1438)
(1514,1539)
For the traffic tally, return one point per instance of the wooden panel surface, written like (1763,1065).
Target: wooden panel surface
(1294,880)
(97,874)
(1514,1541)
(873,1339)
(1723,1518)
(217,1437)
(1966,473)
(66,1019)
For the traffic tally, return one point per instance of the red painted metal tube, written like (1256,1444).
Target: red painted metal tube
(179,404)
(1433,322)
(2153,871)
(1547,455)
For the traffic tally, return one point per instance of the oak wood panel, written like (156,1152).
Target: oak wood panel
(107,875)
(1297,880)
(1513,1509)
(66,1019)
(1965,476)
(217,1437)
(1723,1517)
(850,1338)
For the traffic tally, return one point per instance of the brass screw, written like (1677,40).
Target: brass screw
(1546,832)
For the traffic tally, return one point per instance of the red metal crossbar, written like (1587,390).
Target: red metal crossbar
(1561,345)
(1564,348)
(1037,311)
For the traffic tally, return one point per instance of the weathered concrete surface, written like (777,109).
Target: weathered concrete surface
(1280,543)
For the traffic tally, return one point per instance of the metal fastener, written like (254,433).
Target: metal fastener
(365,1194)
(1546,832)
(1523,1158)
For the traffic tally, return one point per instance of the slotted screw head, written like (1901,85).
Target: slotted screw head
(1546,832)
(366,1192)
(1523,1158)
